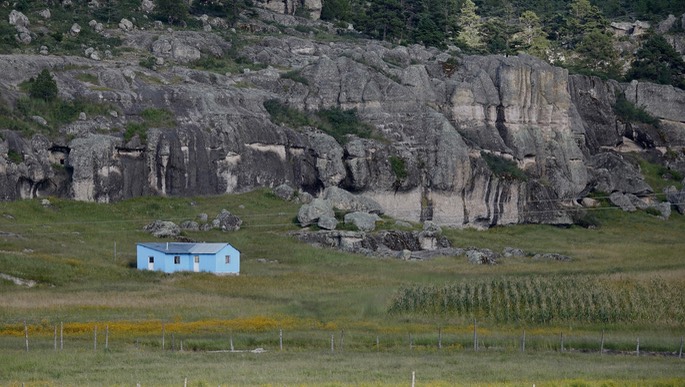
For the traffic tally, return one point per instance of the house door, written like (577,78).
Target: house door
(196,263)
(151,263)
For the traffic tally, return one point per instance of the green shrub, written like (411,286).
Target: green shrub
(295,75)
(158,118)
(283,114)
(43,87)
(653,211)
(148,62)
(399,167)
(15,156)
(503,168)
(135,128)
(628,112)
(90,78)
(340,123)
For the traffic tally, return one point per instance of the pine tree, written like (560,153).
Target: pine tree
(44,87)
(470,24)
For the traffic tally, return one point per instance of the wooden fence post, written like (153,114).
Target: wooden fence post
(61,335)
(378,344)
(601,347)
(106,337)
(163,336)
(232,344)
(280,338)
(173,341)
(332,343)
(342,340)
(26,335)
(439,337)
(413,378)
(561,339)
(637,350)
(55,337)
(475,335)
(523,341)
(95,338)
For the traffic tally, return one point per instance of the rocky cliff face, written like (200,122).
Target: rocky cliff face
(482,140)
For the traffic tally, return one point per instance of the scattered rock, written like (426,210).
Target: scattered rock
(227,221)
(637,202)
(45,14)
(18,281)
(45,203)
(284,191)
(126,25)
(304,197)
(43,50)
(18,19)
(551,257)
(362,220)
(677,198)
(509,252)
(75,29)
(82,116)
(310,213)
(327,222)
(23,35)
(39,120)
(621,200)
(163,229)
(147,6)
(264,260)
(664,209)
(481,256)
(190,225)
(203,217)
(589,202)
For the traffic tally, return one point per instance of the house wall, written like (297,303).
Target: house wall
(221,266)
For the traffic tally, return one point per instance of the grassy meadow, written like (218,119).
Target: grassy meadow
(385,316)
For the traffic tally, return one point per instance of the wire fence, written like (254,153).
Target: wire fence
(449,339)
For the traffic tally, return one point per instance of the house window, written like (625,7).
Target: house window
(177,260)
(151,260)
(228,259)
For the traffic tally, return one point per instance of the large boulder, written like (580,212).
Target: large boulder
(227,221)
(310,213)
(18,19)
(362,220)
(346,201)
(677,198)
(284,191)
(163,229)
(327,222)
(622,201)
(613,172)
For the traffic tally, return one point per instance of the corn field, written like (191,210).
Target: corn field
(549,300)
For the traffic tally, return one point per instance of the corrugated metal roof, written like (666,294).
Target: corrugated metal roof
(185,248)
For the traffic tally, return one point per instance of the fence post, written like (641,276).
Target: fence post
(601,347)
(439,338)
(95,338)
(280,338)
(680,354)
(378,344)
(475,335)
(173,341)
(413,378)
(106,337)
(332,343)
(342,340)
(523,342)
(163,336)
(232,343)
(61,335)
(55,337)
(26,335)
(561,339)
(637,350)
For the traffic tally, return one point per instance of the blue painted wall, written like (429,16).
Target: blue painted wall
(214,263)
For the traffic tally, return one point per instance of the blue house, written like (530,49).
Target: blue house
(219,258)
